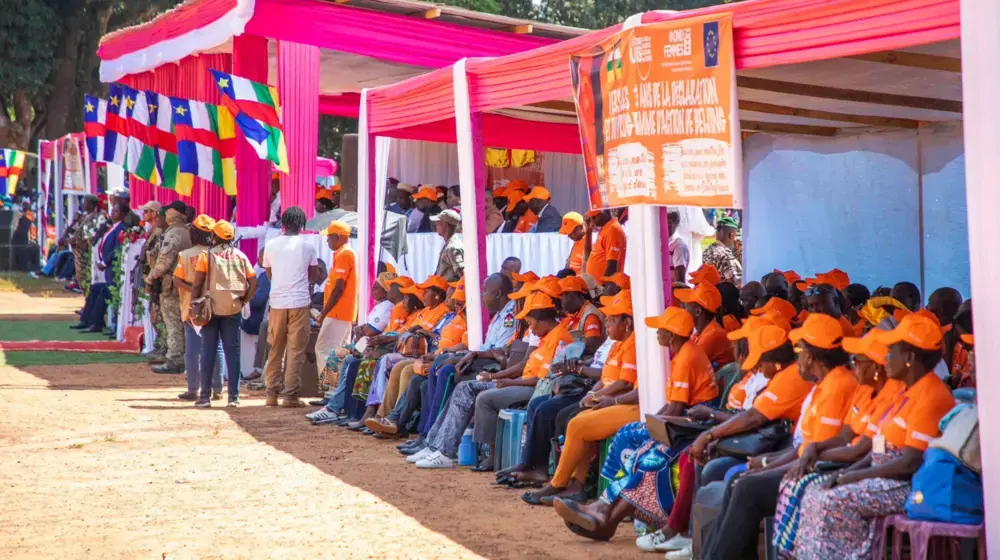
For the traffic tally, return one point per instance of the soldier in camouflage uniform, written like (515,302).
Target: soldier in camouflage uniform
(720,253)
(81,233)
(175,239)
(451,261)
(152,214)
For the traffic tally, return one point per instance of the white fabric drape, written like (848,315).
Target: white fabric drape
(382,151)
(642,264)
(566,179)
(416,162)
(126,318)
(541,253)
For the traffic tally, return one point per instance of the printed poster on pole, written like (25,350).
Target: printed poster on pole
(658,114)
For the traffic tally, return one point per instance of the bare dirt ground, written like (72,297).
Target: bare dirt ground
(101,461)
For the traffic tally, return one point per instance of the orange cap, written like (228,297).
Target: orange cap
(335,188)
(537,193)
(517,185)
(819,330)
(535,302)
(570,221)
(761,341)
(968,339)
(549,285)
(224,230)
(338,227)
(594,212)
(401,281)
(428,193)
(573,284)
(870,345)
(836,278)
(323,193)
(500,191)
(675,320)
(513,197)
(459,295)
(619,279)
(205,223)
(434,281)
(749,326)
(524,278)
(730,323)
(412,289)
(526,290)
(705,295)
(789,275)
(458,284)
(706,274)
(920,329)
(776,306)
(618,304)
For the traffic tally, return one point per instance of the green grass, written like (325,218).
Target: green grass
(26,358)
(17,331)
(22,282)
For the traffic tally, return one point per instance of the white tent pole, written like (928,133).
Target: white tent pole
(366,179)
(57,175)
(981,75)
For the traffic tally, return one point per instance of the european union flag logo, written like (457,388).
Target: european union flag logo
(710,39)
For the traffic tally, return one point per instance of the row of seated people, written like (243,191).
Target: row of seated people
(777,355)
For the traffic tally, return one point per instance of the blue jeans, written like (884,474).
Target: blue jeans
(715,470)
(339,396)
(439,381)
(55,262)
(192,362)
(227,329)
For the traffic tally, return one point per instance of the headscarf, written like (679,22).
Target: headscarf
(874,313)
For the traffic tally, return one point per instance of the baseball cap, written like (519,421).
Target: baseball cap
(574,284)
(458,284)
(706,274)
(819,330)
(513,197)
(549,285)
(178,206)
(537,301)
(338,227)
(675,320)
(500,191)
(525,277)
(619,279)
(151,206)
(526,290)
(449,217)
(517,185)
(968,339)
(762,340)
(920,329)
(752,324)
(727,221)
(428,193)
(205,223)
(538,193)
(704,294)
(570,221)
(224,230)
(777,306)
(434,281)
(789,275)
(619,304)
(406,188)
(401,281)
(324,193)
(870,345)
(459,295)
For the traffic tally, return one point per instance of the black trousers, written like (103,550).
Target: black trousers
(411,401)
(564,416)
(749,499)
(542,414)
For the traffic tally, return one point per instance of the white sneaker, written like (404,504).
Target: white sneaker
(677,542)
(653,542)
(315,413)
(420,455)
(323,416)
(436,460)
(684,554)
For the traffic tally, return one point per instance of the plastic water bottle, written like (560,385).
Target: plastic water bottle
(560,355)
(467,452)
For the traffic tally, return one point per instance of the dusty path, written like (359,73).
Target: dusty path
(100,461)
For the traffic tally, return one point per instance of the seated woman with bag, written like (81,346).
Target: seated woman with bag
(639,467)
(840,521)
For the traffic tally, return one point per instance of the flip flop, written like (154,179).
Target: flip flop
(570,511)
(578,530)
(530,499)
(505,480)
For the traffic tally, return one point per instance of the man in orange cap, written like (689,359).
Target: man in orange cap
(549,218)
(692,379)
(574,227)
(608,254)
(703,304)
(706,274)
(824,298)
(419,219)
(583,319)
(340,298)
(520,218)
(616,283)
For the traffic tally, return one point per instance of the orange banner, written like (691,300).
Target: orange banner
(658,117)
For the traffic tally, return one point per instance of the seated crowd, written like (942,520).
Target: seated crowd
(844,388)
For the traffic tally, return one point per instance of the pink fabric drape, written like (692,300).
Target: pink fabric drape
(253,173)
(341,105)
(298,86)
(391,37)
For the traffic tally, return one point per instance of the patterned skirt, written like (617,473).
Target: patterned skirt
(643,472)
(363,381)
(786,515)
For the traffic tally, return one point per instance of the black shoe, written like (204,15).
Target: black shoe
(80,326)
(168,368)
(412,450)
(319,402)
(188,396)
(95,330)
(367,432)
(203,403)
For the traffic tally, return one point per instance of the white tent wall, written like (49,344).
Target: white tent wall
(854,202)
(417,162)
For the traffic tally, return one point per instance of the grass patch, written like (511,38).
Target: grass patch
(22,282)
(18,331)
(28,358)
(76,446)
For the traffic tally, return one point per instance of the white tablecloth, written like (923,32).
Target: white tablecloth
(125,316)
(541,253)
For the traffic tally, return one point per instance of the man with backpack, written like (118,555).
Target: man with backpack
(224,282)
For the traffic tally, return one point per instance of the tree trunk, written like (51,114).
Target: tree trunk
(64,89)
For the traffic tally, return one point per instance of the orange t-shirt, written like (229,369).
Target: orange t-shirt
(830,404)
(429,318)
(845,324)
(784,395)
(398,318)
(692,379)
(715,344)
(344,268)
(575,262)
(591,328)
(541,359)
(610,246)
(860,402)
(738,393)
(621,363)
(453,333)
(912,421)
(526,222)
(876,407)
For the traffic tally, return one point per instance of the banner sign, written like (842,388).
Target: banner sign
(658,115)
(74,181)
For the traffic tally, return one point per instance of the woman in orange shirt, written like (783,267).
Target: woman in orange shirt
(703,303)
(837,522)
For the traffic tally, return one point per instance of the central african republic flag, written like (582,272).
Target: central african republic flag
(11,166)
(152,146)
(257,111)
(206,144)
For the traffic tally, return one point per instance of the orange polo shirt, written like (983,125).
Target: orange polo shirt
(526,222)
(830,404)
(591,328)
(784,395)
(692,379)
(575,262)
(398,318)
(715,344)
(453,333)
(541,359)
(738,393)
(913,420)
(875,407)
(429,318)
(621,363)
(610,246)
(344,268)
(860,402)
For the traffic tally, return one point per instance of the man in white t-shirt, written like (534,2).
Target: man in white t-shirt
(680,252)
(291,262)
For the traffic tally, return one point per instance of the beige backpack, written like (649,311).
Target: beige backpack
(228,272)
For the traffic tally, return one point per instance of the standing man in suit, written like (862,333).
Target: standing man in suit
(549,218)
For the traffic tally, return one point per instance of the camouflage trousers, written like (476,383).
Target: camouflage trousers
(156,319)
(170,309)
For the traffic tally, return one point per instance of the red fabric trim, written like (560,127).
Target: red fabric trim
(115,123)
(185,18)
(254,109)
(90,129)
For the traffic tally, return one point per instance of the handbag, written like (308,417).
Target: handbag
(960,436)
(675,430)
(766,439)
(201,308)
(572,385)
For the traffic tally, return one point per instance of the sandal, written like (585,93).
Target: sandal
(570,511)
